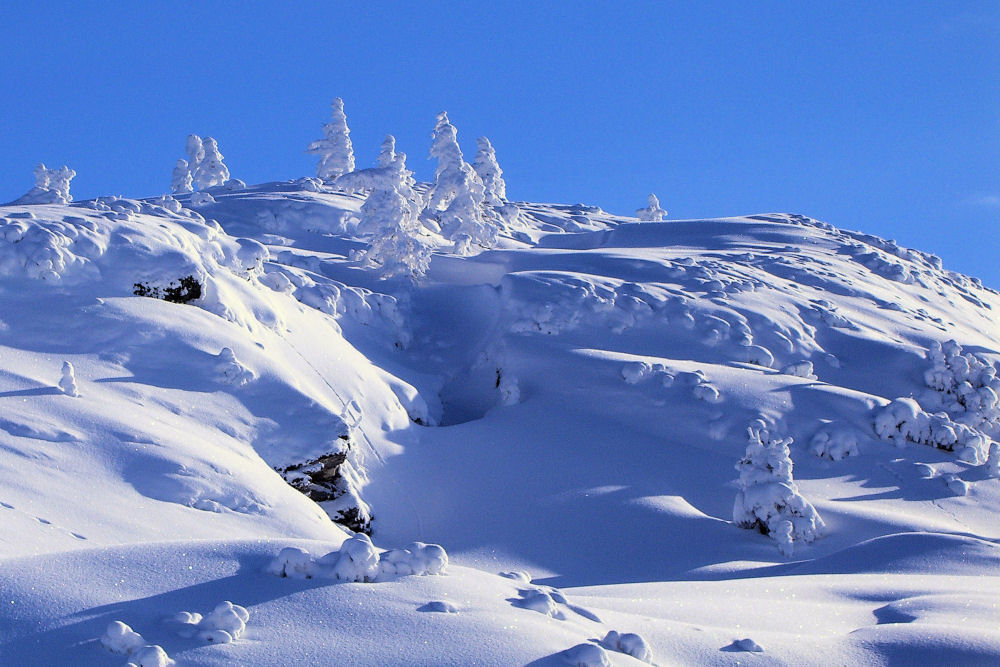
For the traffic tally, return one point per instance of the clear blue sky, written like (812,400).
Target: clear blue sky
(877,116)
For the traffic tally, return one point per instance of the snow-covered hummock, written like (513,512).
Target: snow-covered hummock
(485,164)
(211,171)
(457,197)
(51,186)
(652,212)
(180,179)
(336,154)
(768,499)
(387,152)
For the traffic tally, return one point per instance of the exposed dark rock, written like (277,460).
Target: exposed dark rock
(178,291)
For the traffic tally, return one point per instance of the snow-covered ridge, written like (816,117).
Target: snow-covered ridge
(572,401)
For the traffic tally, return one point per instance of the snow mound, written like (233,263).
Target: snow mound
(120,638)
(586,655)
(223,625)
(628,643)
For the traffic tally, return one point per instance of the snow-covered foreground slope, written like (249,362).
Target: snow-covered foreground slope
(572,405)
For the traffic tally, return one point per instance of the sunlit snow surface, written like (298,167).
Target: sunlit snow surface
(572,408)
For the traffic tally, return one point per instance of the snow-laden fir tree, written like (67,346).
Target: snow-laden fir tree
(457,197)
(485,164)
(653,212)
(195,149)
(390,217)
(336,154)
(768,499)
(387,153)
(211,171)
(68,381)
(51,186)
(180,180)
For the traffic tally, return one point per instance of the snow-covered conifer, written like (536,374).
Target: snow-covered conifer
(768,499)
(336,154)
(390,216)
(490,173)
(457,198)
(180,181)
(388,151)
(68,381)
(51,186)
(992,464)
(653,212)
(211,171)
(195,150)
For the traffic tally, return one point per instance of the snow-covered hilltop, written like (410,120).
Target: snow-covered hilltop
(211,399)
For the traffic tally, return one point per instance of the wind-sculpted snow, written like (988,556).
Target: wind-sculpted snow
(570,403)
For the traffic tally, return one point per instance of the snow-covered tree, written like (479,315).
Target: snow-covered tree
(653,212)
(51,186)
(490,173)
(180,180)
(456,200)
(768,499)
(211,171)
(336,154)
(388,151)
(390,217)
(195,150)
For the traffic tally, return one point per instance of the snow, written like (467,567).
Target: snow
(566,399)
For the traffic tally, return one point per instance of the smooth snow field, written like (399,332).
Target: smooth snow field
(756,440)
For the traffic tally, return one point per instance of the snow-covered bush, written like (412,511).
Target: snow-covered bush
(336,154)
(150,656)
(357,560)
(51,186)
(586,655)
(992,464)
(653,212)
(293,563)
(628,643)
(457,197)
(485,164)
(834,444)
(768,499)
(902,420)
(68,381)
(966,386)
(230,370)
(180,180)
(211,171)
(802,369)
(224,624)
(418,558)
(121,639)
(201,199)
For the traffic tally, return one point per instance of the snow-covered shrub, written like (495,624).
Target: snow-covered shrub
(418,558)
(834,444)
(180,179)
(211,171)
(456,199)
(634,371)
(902,420)
(224,624)
(357,560)
(967,386)
(336,154)
(992,464)
(586,655)
(230,370)
(51,186)
(121,639)
(201,199)
(183,290)
(707,392)
(250,257)
(150,656)
(540,601)
(768,499)
(802,369)
(653,212)
(68,381)
(758,355)
(293,563)
(628,643)
(486,167)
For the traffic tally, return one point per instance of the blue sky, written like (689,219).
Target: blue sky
(883,117)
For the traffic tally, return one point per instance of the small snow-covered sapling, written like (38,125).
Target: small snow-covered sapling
(68,381)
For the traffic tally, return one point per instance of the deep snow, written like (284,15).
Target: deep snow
(571,404)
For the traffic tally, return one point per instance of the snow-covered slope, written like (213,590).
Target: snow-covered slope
(572,404)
